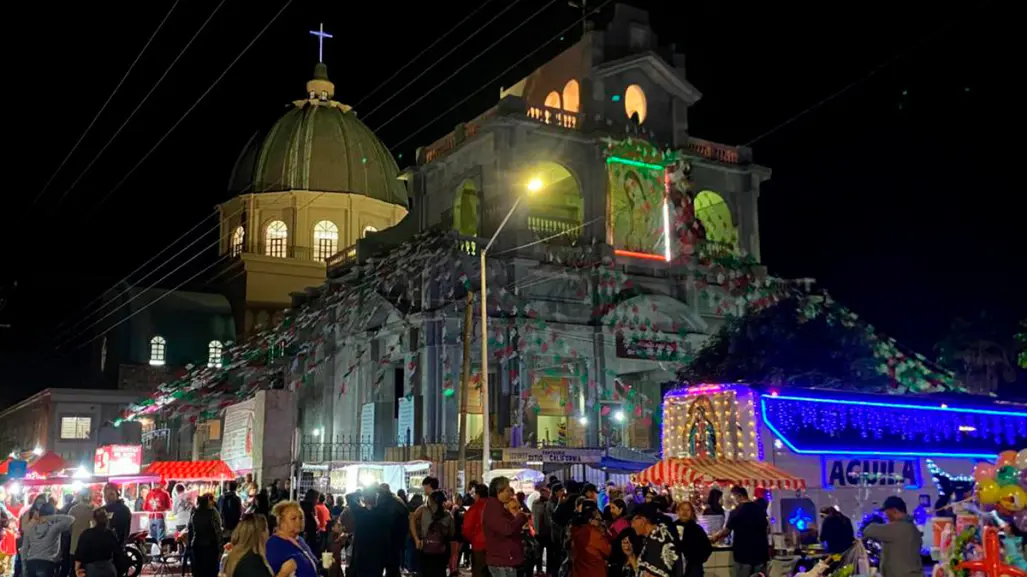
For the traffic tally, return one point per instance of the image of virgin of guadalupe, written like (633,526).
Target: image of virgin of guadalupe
(633,217)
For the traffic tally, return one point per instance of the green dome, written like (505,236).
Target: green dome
(320,145)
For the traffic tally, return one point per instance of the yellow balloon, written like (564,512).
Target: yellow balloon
(1012,497)
(989,492)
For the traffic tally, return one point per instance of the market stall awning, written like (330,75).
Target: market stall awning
(191,470)
(47,463)
(721,472)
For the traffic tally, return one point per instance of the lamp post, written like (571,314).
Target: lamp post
(534,185)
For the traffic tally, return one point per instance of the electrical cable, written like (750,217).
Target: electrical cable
(187,112)
(141,102)
(422,53)
(493,80)
(454,49)
(465,65)
(105,104)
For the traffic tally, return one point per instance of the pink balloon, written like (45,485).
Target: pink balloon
(984,472)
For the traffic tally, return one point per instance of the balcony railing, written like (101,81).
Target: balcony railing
(545,227)
(556,117)
(289,251)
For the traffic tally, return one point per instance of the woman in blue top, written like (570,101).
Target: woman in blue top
(287,553)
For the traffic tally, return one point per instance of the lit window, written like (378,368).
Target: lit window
(553,100)
(634,102)
(368,229)
(276,237)
(571,97)
(158,351)
(214,350)
(326,240)
(238,235)
(75,428)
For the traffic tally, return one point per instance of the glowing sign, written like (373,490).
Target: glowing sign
(118,460)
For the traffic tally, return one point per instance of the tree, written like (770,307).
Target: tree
(789,343)
(973,350)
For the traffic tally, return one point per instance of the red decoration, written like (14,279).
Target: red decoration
(992,564)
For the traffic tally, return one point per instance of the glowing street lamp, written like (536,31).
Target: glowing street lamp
(534,185)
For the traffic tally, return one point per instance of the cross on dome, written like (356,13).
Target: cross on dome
(321,35)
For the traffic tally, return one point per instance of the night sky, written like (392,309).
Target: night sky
(899,194)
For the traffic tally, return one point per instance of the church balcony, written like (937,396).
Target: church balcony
(514,107)
(562,231)
(316,254)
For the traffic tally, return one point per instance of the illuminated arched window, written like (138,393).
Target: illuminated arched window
(715,215)
(158,351)
(465,209)
(276,239)
(326,240)
(634,101)
(368,229)
(571,97)
(556,208)
(214,351)
(238,236)
(553,100)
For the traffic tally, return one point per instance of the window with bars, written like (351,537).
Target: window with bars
(276,238)
(238,236)
(158,351)
(214,352)
(75,428)
(326,240)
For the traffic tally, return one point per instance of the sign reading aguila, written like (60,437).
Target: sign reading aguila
(865,472)
(552,455)
(117,460)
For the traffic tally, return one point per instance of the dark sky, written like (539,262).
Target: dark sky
(898,195)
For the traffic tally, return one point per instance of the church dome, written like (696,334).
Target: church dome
(320,145)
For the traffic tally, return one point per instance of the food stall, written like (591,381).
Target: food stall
(522,480)
(345,477)
(199,477)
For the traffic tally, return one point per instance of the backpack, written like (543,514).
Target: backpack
(434,542)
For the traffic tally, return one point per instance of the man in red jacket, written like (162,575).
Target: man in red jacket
(503,521)
(474,531)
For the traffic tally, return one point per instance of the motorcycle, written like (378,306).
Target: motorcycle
(137,551)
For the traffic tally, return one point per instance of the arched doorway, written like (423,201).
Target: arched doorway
(557,206)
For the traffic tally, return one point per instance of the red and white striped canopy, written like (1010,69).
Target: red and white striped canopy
(721,472)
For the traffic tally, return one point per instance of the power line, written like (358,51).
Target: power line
(105,104)
(496,78)
(141,102)
(423,52)
(189,110)
(468,63)
(454,49)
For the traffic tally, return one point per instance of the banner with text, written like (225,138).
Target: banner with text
(237,437)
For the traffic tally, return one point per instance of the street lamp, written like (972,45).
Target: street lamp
(535,184)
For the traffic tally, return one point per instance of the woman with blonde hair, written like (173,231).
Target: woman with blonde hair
(287,553)
(246,555)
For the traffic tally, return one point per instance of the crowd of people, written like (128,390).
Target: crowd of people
(561,529)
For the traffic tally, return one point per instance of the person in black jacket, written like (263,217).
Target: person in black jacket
(310,532)
(118,512)
(695,545)
(97,549)
(836,531)
(205,535)
(230,507)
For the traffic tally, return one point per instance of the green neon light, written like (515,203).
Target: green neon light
(629,162)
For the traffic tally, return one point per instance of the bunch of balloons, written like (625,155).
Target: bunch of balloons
(1002,487)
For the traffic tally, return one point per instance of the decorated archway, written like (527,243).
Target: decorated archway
(556,206)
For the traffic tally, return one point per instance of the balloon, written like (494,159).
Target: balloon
(988,491)
(984,472)
(1007,476)
(1021,459)
(1020,520)
(1012,498)
(1006,459)
(1023,479)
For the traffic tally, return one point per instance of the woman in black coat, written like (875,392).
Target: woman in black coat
(693,542)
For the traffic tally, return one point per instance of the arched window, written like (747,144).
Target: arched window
(553,100)
(571,96)
(326,240)
(715,215)
(214,352)
(158,351)
(238,236)
(634,101)
(465,209)
(276,239)
(368,229)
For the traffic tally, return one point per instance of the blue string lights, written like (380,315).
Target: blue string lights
(822,425)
